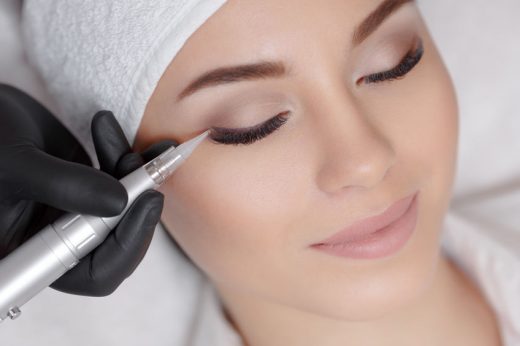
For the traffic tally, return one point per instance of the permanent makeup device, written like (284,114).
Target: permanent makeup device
(58,247)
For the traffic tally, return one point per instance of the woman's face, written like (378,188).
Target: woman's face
(350,147)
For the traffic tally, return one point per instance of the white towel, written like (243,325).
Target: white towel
(107,54)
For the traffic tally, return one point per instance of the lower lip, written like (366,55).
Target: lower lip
(382,243)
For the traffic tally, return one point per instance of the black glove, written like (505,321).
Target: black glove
(44,171)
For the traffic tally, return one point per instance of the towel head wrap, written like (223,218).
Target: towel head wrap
(107,54)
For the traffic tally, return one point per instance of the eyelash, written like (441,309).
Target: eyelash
(248,135)
(410,60)
(255,133)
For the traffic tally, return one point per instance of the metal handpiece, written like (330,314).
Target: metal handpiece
(58,247)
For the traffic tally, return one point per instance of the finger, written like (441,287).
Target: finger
(109,141)
(103,270)
(133,161)
(127,164)
(37,176)
(133,235)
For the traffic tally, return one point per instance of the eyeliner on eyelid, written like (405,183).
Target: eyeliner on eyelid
(248,135)
(407,63)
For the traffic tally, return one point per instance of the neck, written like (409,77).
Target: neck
(262,323)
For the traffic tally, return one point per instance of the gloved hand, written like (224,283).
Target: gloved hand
(44,171)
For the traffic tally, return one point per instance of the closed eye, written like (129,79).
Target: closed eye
(248,135)
(409,61)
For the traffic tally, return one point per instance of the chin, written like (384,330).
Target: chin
(381,291)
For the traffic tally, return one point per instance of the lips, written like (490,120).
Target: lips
(360,229)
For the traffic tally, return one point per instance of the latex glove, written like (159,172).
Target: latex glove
(44,172)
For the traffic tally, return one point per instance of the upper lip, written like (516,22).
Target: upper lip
(363,227)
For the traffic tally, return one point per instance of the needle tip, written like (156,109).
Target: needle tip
(187,147)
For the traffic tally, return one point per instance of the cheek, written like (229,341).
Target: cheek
(420,116)
(429,142)
(226,205)
(437,124)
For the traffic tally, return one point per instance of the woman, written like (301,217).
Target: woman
(365,116)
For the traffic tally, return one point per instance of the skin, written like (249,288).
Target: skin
(246,219)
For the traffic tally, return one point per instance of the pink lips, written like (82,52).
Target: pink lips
(375,236)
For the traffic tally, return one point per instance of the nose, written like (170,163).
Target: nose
(355,151)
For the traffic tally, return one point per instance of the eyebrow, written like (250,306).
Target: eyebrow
(277,69)
(376,18)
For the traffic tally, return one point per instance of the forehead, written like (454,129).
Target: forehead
(263,23)
(242,31)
